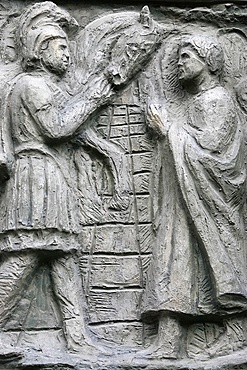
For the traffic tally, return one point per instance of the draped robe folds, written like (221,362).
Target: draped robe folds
(199,258)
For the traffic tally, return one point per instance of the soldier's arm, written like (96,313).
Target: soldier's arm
(56,123)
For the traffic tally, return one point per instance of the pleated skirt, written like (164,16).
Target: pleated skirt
(39,196)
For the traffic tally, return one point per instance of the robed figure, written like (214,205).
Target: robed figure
(198,269)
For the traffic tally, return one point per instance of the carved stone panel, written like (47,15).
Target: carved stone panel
(123,186)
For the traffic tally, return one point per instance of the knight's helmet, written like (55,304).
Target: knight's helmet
(39,23)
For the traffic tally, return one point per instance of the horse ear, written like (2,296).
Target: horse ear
(145,17)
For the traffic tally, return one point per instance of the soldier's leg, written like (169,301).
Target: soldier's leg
(68,290)
(16,273)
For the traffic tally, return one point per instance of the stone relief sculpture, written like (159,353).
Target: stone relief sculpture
(39,202)
(118,57)
(123,187)
(201,225)
(35,209)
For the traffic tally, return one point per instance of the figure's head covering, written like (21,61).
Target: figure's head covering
(39,23)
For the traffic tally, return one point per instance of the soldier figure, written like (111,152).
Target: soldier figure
(39,219)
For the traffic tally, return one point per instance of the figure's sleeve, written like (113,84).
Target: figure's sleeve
(219,124)
(38,100)
(54,123)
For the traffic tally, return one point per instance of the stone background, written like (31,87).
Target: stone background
(116,248)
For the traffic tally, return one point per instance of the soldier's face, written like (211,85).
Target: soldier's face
(190,66)
(55,55)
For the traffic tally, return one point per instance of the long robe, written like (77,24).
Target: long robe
(199,259)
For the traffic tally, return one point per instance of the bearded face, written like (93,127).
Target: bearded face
(55,55)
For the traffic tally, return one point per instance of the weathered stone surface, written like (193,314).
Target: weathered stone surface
(123,186)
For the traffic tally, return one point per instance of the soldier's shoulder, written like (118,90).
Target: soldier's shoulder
(31,84)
